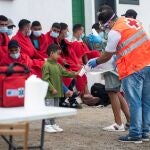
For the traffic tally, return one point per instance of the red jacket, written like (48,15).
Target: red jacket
(43,44)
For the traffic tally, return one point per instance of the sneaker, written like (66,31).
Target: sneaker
(57,128)
(115,127)
(76,105)
(129,139)
(145,138)
(49,129)
(64,104)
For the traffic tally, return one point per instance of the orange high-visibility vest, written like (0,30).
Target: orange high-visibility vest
(133,49)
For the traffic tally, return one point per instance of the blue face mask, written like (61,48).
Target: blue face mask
(54,34)
(3,29)
(15,56)
(9,31)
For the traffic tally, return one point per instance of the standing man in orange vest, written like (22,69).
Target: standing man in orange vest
(129,42)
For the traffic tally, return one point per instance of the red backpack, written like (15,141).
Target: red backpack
(12,84)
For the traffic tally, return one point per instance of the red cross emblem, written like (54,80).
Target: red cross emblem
(133,24)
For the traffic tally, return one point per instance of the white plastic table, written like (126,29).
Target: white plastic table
(20,114)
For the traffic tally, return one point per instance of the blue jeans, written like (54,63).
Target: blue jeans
(65,88)
(137,93)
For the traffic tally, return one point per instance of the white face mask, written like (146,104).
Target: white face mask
(37,33)
(29,33)
(15,56)
(3,29)
(54,34)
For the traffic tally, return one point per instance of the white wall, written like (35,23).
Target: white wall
(89,15)
(143,12)
(46,11)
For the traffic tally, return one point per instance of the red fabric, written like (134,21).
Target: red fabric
(23,59)
(27,46)
(80,83)
(28,49)
(93,54)
(43,44)
(4,40)
(75,65)
(80,48)
(72,59)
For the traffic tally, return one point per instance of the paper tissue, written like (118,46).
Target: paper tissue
(35,92)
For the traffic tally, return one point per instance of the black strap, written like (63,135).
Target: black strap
(11,70)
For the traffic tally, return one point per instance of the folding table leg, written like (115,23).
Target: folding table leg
(42,135)
(11,141)
(26,133)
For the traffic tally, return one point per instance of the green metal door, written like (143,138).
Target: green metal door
(78,12)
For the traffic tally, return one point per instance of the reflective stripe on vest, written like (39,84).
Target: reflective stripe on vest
(125,43)
(132,47)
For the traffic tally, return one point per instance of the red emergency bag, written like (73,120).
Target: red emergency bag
(12,84)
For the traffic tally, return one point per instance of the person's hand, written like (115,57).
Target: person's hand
(92,63)
(54,92)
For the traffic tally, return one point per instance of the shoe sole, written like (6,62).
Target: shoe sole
(60,131)
(145,140)
(136,142)
(114,130)
(51,132)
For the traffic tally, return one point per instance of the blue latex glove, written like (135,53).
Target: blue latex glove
(92,63)
(94,39)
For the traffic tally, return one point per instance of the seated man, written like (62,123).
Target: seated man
(52,35)
(14,55)
(27,47)
(81,49)
(38,39)
(94,42)
(4,39)
(23,39)
(69,56)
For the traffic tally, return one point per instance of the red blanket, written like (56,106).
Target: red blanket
(75,65)
(28,49)
(43,44)
(23,59)
(81,50)
(4,40)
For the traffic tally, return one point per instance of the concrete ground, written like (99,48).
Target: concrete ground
(82,132)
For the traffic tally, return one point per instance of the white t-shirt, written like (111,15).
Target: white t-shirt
(113,40)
